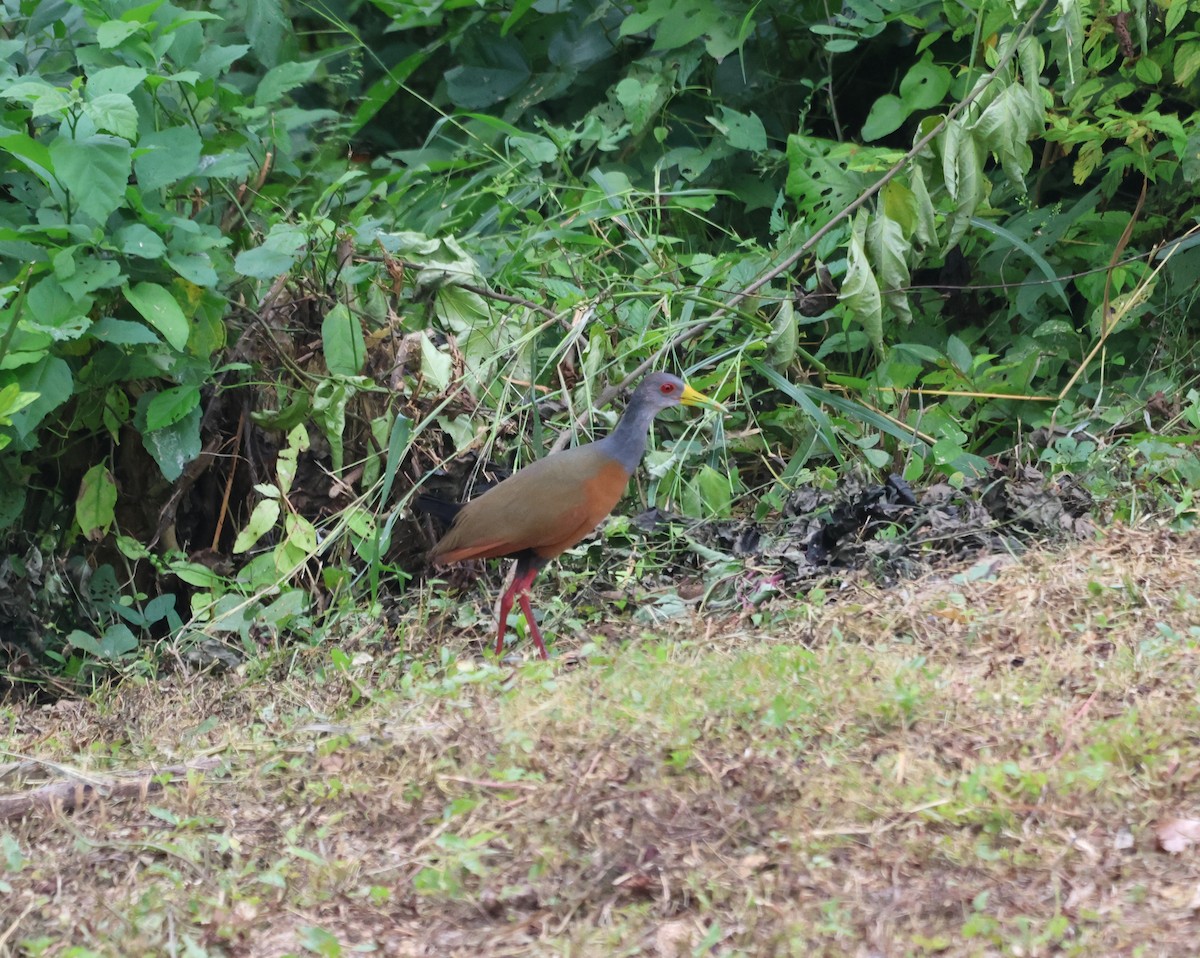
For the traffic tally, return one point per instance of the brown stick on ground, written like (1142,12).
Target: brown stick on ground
(72,795)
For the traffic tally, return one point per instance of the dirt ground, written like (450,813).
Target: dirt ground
(999,758)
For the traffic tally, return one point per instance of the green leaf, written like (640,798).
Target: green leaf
(140,241)
(886,115)
(1187,63)
(713,491)
(122,332)
(744,131)
(115,32)
(83,642)
(285,462)
(118,79)
(342,339)
(173,447)
(166,156)
(95,171)
(95,504)
(113,113)
(117,641)
(158,307)
(889,253)
(267,28)
(436,366)
(925,85)
(282,79)
(1038,259)
(31,153)
(262,521)
(299,543)
(860,289)
(170,406)
(959,355)
(51,379)
(501,71)
(279,252)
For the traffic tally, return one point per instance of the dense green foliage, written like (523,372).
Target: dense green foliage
(239,228)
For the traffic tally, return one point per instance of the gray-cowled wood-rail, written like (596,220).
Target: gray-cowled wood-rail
(542,510)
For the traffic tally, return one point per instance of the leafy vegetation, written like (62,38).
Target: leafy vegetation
(265,270)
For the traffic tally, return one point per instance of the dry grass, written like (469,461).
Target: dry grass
(970,765)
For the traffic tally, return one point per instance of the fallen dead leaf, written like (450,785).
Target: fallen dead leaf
(1177,835)
(674,939)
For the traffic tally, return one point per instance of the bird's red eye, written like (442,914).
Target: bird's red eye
(666,388)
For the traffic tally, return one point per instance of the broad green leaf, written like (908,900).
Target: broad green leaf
(900,204)
(95,171)
(785,336)
(436,366)
(43,98)
(50,378)
(285,463)
(84,642)
(262,521)
(170,406)
(299,543)
(280,251)
(117,641)
(95,503)
(887,114)
(743,131)
(113,113)
(343,343)
(1187,62)
(889,254)
(115,32)
(118,79)
(159,308)
(193,573)
(282,79)
(501,69)
(713,492)
(12,401)
(139,240)
(52,311)
(860,289)
(925,85)
(166,156)
(32,153)
(122,332)
(268,29)
(175,446)
(959,355)
(329,402)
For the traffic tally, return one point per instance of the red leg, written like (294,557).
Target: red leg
(527,568)
(506,602)
(532,623)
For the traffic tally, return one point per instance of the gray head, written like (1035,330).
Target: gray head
(656,392)
(660,391)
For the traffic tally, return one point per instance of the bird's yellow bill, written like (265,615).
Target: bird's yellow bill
(693,397)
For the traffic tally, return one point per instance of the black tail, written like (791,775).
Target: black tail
(438,508)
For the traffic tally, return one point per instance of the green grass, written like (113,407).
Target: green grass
(963,766)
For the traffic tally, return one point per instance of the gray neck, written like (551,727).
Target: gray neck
(627,443)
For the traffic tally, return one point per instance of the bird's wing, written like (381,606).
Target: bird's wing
(546,507)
